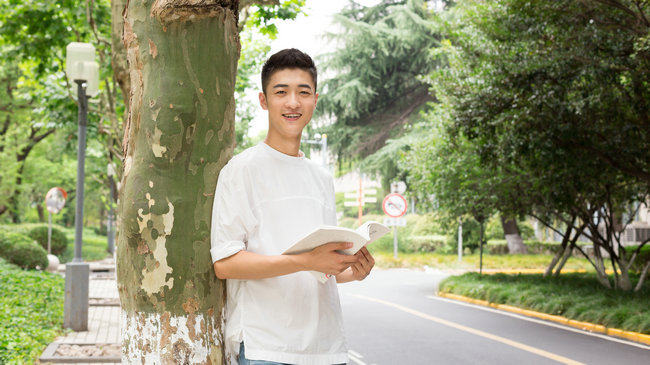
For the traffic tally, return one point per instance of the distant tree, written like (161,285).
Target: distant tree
(376,88)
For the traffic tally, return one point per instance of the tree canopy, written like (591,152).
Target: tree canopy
(376,86)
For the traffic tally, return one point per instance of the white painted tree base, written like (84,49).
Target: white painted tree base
(515,243)
(162,338)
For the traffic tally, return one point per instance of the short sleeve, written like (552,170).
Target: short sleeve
(232,215)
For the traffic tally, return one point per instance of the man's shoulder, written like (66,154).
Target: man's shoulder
(244,159)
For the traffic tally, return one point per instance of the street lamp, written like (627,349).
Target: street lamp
(84,71)
(111,212)
(319,140)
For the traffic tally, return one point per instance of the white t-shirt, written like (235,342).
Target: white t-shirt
(264,202)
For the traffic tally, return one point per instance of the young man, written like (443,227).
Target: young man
(267,198)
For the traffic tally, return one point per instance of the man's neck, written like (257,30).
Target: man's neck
(288,147)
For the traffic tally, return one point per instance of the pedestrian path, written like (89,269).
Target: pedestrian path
(101,343)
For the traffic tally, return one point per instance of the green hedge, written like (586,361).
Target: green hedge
(22,251)
(500,247)
(29,255)
(6,244)
(59,240)
(38,232)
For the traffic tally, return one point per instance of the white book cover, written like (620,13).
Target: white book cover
(365,234)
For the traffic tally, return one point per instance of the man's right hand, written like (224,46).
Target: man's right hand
(326,259)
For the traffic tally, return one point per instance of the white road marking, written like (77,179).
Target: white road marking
(355,359)
(540,321)
(355,354)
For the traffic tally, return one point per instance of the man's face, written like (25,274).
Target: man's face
(290,100)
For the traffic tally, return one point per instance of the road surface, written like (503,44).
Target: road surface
(394,318)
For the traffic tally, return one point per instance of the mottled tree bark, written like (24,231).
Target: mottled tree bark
(182,57)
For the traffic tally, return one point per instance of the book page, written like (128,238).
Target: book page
(363,235)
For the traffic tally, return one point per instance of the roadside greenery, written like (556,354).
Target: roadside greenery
(31,312)
(470,262)
(542,111)
(576,296)
(94,246)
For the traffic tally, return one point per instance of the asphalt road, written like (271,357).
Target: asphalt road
(394,318)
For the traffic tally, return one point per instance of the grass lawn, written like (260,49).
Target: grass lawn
(576,296)
(31,312)
(471,262)
(94,246)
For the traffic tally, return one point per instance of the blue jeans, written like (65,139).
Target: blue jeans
(244,361)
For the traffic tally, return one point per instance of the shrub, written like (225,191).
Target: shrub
(59,240)
(500,247)
(427,225)
(427,243)
(6,244)
(26,253)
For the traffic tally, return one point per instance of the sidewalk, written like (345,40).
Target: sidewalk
(102,342)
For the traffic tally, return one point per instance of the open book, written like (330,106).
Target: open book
(365,234)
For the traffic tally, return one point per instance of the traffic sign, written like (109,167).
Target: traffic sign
(394,205)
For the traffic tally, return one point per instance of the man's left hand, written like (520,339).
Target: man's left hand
(362,268)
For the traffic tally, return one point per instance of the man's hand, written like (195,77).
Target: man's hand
(359,270)
(326,259)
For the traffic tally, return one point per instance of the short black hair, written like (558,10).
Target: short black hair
(288,58)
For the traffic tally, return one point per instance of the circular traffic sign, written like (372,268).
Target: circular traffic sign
(394,205)
(55,200)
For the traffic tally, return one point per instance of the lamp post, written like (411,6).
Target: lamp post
(322,142)
(83,71)
(111,211)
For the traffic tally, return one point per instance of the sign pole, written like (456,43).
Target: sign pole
(395,241)
(460,239)
(49,233)
(394,206)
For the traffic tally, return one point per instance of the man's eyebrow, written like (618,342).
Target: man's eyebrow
(277,86)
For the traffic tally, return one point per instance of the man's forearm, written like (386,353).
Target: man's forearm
(246,265)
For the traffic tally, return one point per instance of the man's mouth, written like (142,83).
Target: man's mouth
(292,116)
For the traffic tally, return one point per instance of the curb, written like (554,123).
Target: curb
(585,326)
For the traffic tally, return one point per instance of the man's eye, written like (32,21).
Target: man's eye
(305,93)
(280,92)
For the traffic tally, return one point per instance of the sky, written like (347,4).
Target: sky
(305,33)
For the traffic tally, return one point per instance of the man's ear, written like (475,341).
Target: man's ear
(315,99)
(263,103)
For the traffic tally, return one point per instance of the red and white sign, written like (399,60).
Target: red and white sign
(394,205)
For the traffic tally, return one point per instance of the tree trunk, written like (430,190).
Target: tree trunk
(644,273)
(565,257)
(182,58)
(513,238)
(41,212)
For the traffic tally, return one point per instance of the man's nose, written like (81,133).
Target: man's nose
(293,101)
